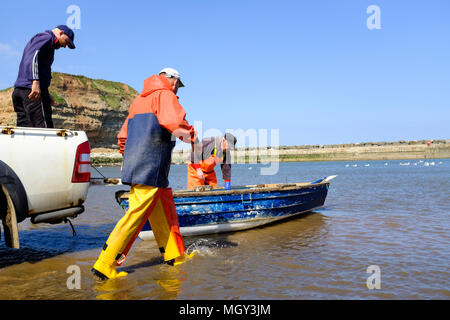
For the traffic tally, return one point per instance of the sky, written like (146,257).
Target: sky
(281,72)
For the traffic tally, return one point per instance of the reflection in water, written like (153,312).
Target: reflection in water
(112,289)
(171,280)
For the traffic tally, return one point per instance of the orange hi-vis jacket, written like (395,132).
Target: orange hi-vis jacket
(146,139)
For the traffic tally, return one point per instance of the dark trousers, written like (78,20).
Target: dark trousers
(32,113)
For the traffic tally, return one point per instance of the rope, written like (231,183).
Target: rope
(98,171)
(71,225)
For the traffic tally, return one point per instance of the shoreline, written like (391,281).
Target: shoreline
(401,150)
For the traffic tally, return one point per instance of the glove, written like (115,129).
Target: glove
(227,185)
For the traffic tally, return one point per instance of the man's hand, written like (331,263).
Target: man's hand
(200,174)
(35,93)
(52,101)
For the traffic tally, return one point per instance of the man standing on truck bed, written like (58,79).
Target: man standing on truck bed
(146,142)
(31,99)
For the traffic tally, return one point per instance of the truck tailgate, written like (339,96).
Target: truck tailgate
(44,160)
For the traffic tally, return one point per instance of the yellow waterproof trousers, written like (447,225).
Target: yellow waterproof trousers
(145,203)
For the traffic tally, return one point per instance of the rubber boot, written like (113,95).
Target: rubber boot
(105,271)
(181,259)
(105,267)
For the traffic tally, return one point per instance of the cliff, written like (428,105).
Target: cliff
(97,107)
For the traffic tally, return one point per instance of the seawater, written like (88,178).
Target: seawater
(377,213)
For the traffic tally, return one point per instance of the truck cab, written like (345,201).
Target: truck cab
(44,176)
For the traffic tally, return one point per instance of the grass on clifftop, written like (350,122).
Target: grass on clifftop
(110,92)
(59,101)
(106,86)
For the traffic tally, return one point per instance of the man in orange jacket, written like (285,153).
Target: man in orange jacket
(146,141)
(214,150)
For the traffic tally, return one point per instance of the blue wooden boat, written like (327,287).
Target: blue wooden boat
(206,211)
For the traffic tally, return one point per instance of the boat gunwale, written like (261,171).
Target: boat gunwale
(250,189)
(245,200)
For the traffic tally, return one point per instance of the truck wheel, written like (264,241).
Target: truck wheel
(9,221)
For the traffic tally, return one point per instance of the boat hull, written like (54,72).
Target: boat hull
(231,226)
(219,210)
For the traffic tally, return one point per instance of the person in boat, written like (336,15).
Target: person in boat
(214,150)
(31,99)
(146,140)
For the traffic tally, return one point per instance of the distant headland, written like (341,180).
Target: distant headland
(399,150)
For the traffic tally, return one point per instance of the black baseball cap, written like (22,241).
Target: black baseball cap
(69,33)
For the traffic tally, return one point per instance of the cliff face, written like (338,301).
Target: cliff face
(97,107)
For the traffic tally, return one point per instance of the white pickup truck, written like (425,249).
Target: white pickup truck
(44,176)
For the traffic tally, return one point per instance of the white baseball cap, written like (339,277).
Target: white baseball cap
(172,73)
